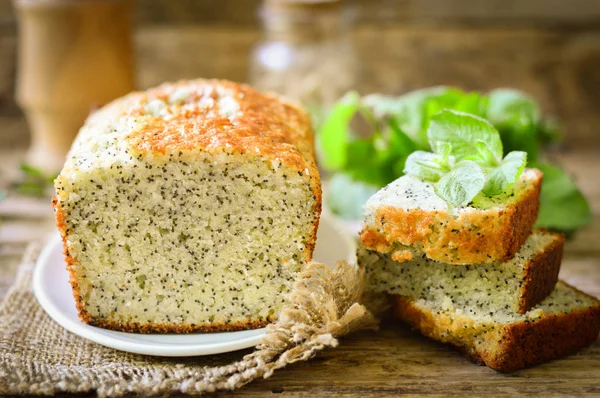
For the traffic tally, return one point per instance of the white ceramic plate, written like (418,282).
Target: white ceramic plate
(52,289)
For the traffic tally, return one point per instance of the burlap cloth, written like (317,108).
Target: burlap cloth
(37,356)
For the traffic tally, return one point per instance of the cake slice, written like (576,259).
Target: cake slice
(566,321)
(190,206)
(407,219)
(515,285)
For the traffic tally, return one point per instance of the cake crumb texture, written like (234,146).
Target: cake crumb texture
(516,285)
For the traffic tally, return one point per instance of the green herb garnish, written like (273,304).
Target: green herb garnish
(467,158)
(562,205)
(34,182)
(395,127)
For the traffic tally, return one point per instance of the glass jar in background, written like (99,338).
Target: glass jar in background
(306,53)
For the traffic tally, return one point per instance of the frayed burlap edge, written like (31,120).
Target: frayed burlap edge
(324,305)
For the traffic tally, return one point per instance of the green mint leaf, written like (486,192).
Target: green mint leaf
(514,106)
(436,101)
(345,196)
(31,171)
(51,178)
(408,110)
(409,103)
(400,142)
(518,139)
(566,214)
(444,149)
(547,131)
(562,206)
(462,184)
(425,166)
(366,164)
(360,151)
(485,157)
(556,183)
(398,167)
(31,189)
(517,118)
(463,132)
(334,136)
(503,176)
(473,103)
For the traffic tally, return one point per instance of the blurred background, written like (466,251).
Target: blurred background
(549,48)
(60,59)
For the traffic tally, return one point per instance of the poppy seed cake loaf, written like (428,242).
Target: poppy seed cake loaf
(407,219)
(515,285)
(563,323)
(190,206)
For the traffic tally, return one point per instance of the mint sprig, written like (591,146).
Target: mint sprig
(34,182)
(376,150)
(427,166)
(470,137)
(461,184)
(501,177)
(466,159)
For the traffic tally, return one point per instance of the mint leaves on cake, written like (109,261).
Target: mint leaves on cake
(466,160)
(366,140)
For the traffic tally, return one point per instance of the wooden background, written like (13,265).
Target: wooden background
(550,48)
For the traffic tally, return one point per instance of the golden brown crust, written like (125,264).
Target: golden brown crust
(401,256)
(264,125)
(69,260)
(508,347)
(541,274)
(483,236)
(312,241)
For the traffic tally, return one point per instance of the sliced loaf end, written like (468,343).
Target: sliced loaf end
(517,284)
(190,206)
(541,270)
(407,219)
(565,322)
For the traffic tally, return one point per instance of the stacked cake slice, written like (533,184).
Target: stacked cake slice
(477,277)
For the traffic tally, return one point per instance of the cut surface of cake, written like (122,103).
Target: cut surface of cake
(190,206)
(564,322)
(515,285)
(407,219)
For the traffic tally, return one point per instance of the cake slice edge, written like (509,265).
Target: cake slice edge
(470,236)
(530,276)
(507,347)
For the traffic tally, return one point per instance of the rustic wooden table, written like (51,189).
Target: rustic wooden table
(396,360)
